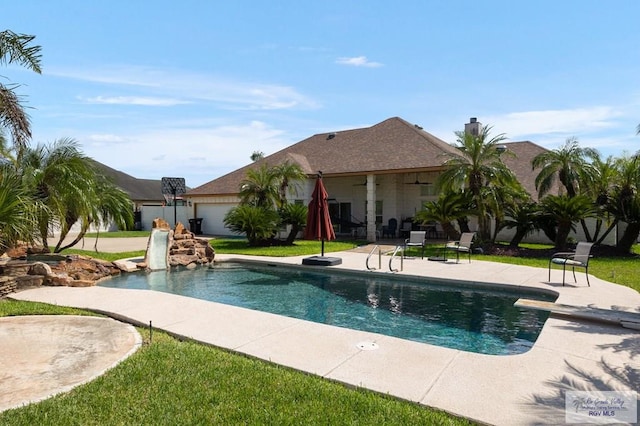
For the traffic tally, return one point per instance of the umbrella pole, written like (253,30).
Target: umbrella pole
(322,253)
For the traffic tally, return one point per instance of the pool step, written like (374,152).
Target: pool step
(623,318)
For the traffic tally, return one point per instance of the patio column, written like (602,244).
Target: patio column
(371,207)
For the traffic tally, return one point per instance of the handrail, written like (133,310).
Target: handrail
(379,258)
(401,259)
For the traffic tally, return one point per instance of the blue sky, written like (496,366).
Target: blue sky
(192,88)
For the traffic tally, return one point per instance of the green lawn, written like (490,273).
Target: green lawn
(300,247)
(118,234)
(172,382)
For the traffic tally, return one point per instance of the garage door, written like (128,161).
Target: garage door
(213,218)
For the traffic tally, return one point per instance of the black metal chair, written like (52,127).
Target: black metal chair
(462,246)
(390,229)
(416,239)
(575,259)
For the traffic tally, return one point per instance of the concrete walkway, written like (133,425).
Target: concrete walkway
(524,389)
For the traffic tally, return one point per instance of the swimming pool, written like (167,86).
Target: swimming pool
(452,315)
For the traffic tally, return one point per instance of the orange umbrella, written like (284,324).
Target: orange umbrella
(319,225)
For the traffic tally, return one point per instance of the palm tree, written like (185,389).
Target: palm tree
(480,170)
(16,49)
(286,173)
(260,187)
(565,211)
(257,223)
(524,218)
(624,203)
(603,175)
(67,183)
(17,210)
(265,188)
(295,215)
(257,155)
(568,164)
(449,207)
(107,204)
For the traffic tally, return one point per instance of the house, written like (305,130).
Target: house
(371,174)
(144,193)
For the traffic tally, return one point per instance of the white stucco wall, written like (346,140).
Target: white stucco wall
(149,213)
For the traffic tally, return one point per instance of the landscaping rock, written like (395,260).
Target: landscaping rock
(185,249)
(127,265)
(39,268)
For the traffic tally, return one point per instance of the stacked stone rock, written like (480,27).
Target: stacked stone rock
(72,271)
(17,273)
(185,249)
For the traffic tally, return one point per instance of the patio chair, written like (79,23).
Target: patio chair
(390,229)
(406,229)
(462,246)
(575,259)
(416,239)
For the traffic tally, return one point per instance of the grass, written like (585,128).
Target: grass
(118,234)
(172,382)
(618,270)
(300,247)
(105,255)
(615,269)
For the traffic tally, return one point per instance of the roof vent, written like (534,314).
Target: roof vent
(417,127)
(331,136)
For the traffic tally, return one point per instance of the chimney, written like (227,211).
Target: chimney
(473,126)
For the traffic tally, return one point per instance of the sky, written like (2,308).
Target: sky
(191,89)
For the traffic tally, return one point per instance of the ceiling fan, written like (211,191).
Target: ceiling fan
(417,182)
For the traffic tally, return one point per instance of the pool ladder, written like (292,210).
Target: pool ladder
(377,247)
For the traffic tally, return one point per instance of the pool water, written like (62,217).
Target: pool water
(451,316)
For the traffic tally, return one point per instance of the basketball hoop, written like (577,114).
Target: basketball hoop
(173,186)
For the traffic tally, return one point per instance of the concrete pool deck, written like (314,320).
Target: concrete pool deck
(570,354)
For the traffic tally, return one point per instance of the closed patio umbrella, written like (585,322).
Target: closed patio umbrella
(319,225)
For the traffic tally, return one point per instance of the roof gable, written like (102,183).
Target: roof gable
(137,189)
(390,146)
(520,164)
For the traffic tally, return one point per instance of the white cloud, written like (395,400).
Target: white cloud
(105,139)
(133,100)
(197,154)
(191,87)
(562,122)
(358,61)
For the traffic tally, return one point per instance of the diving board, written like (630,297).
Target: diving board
(623,318)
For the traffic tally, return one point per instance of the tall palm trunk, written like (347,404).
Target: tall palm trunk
(564,228)
(629,238)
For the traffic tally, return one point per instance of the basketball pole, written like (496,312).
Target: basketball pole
(175,208)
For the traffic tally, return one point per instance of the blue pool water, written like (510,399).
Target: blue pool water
(452,316)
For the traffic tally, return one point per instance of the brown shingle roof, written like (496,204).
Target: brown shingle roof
(524,152)
(391,146)
(138,189)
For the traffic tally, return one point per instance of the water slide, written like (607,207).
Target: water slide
(157,249)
